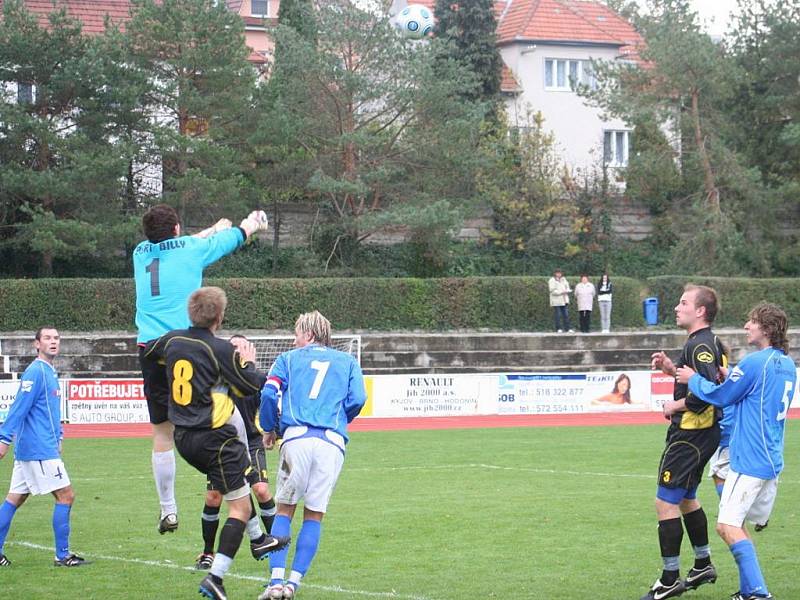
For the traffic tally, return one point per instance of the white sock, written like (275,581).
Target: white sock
(164,474)
(221,565)
(254,529)
(294,578)
(278,573)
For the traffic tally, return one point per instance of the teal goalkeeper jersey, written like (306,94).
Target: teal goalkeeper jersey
(166,274)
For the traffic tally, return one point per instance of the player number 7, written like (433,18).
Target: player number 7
(786,400)
(321,367)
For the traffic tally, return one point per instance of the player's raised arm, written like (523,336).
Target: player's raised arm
(734,389)
(220,225)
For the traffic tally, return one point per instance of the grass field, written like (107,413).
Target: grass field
(561,513)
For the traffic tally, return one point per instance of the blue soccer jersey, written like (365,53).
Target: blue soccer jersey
(321,388)
(33,423)
(166,274)
(760,388)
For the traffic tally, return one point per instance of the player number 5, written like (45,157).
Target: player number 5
(786,400)
(321,367)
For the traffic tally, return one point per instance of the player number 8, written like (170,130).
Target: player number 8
(182,372)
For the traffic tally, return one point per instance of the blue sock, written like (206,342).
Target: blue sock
(720,486)
(306,546)
(7,511)
(750,577)
(61,529)
(281,526)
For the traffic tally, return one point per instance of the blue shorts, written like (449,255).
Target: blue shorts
(675,495)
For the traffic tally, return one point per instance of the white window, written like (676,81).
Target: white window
(564,75)
(615,148)
(259,8)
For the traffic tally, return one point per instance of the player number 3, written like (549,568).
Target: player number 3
(182,372)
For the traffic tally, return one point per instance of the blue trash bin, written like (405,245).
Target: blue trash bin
(650,307)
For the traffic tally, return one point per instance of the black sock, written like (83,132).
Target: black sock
(696,524)
(267,513)
(230,538)
(670,535)
(209,523)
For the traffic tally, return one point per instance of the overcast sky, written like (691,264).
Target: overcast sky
(714,14)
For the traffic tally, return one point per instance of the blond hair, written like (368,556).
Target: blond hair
(315,325)
(207,307)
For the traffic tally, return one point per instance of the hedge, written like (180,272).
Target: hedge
(737,296)
(379,304)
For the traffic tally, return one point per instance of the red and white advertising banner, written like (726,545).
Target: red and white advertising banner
(106,401)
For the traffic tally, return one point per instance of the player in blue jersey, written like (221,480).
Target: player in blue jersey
(33,425)
(322,390)
(167,268)
(760,388)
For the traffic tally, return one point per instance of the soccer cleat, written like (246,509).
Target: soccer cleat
(268,544)
(204,562)
(761,526)
(741,596)
(273,591)
(70,560)
(659,591)
(168,523)
(697,577)
(289,590)
(211,587)
(4,562)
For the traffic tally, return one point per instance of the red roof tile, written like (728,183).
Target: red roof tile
(583,21)
(91,13)
(509,83)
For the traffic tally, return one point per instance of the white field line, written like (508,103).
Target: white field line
(505,468)
(469,466)
(170,565)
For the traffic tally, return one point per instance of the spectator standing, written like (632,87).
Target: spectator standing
(559,300)
(604,289)
(584,296)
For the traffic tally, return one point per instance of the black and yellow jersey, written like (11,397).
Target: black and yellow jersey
(203,373)
(704,353)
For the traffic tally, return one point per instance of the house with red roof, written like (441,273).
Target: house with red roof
(547,47)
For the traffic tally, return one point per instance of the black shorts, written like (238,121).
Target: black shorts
(156,388)
(258,460)
(218,453)
(685,457)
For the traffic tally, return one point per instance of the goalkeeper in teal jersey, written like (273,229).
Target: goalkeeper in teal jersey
(322,391)
(760,390)
(167,268)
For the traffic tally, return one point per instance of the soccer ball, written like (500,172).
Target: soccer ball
(415,21)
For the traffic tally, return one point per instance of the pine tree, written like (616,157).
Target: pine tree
(470,27)
(200,92)
(60,162)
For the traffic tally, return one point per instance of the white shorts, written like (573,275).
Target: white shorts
(38,477)
(307,470)
(719,463)
(746,498)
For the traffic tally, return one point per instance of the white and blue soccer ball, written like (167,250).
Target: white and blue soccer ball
(414,21)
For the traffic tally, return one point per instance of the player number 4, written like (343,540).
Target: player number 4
(786,400)
(321,367)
